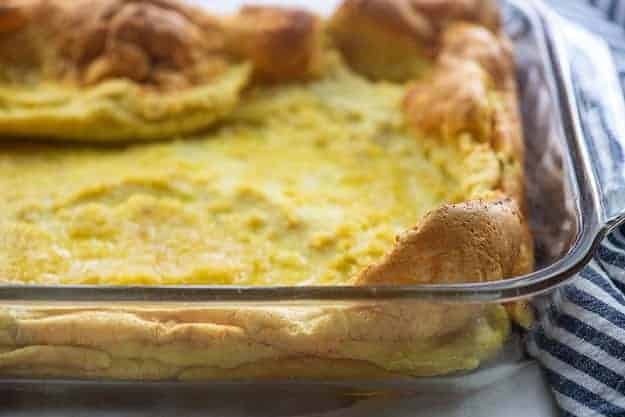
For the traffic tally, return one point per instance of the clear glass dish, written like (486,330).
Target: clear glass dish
(576,193)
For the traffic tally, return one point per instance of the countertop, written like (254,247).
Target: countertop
(521,393)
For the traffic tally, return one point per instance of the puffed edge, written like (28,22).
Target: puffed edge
(87,42)
(372,339)
(382,38)
(472,89)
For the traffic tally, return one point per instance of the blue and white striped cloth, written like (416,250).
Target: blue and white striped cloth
(580,336)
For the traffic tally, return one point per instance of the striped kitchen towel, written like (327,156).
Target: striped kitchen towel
(580,336)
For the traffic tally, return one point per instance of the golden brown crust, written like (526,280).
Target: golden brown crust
(12,16)
(163,43)
(143,41)
(158,42)
(383,38)
(490,50)
(453,98)
(476,240)
(456,95)
(472,89)
(441,12)
(281,43)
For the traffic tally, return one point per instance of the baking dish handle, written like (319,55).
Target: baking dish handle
(600,119)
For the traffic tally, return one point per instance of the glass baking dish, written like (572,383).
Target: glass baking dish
(576,194)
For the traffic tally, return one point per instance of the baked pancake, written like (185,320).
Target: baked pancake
(297,159)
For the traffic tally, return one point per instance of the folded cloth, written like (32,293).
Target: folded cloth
(580,336)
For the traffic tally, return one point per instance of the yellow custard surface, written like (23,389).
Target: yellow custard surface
(301,184)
